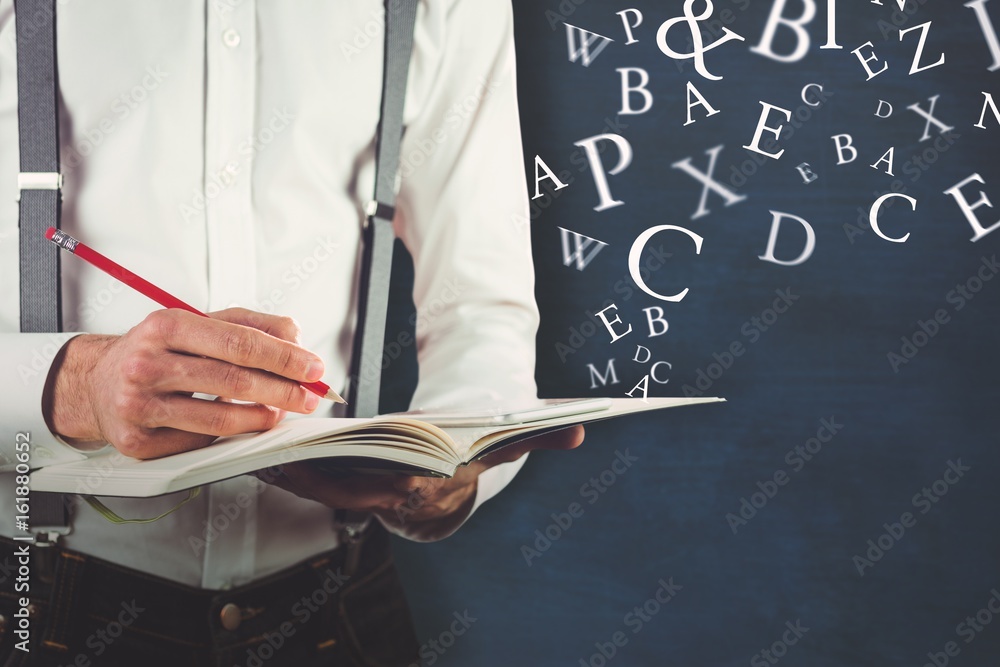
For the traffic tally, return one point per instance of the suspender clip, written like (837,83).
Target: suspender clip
(376,209)
(49,536)
(38,180)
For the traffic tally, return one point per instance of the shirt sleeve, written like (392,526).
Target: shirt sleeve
(25,360)
(462,213)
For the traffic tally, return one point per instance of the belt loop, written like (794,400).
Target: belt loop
(64,606)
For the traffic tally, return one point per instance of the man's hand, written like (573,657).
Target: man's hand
(134,391)
(418,503)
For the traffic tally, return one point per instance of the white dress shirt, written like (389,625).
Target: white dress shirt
(224,151)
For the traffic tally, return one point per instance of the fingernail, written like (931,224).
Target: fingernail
(315,371)
(312,401)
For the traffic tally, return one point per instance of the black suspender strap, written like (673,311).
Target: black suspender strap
(378,237)
(38,185)
(39,180)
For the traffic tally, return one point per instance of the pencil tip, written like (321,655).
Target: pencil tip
(335,397)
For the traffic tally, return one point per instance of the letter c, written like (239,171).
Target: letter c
(873,214)
(635,254)
(812,85)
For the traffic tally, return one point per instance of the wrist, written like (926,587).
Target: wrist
(67,401)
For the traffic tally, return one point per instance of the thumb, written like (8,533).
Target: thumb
(560,439)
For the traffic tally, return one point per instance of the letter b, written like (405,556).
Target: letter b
(628,90)
(844,146)
(797,27)
(657,325)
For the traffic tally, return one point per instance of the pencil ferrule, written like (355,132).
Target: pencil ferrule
(64,240)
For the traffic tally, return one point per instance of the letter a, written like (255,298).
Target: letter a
(539,162)
(587,40)
(691,90)
(887,158)
(580,245)
(644,385)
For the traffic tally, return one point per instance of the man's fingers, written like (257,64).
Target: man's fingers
(210,376)
(359,491)
(150,444)
(568,438)
(214,418)
(284,328)
(240,345)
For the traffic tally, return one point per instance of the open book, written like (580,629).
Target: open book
(411,443)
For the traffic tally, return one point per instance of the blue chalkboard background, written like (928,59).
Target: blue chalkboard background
(787,576)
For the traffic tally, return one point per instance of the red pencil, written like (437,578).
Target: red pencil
(115,270)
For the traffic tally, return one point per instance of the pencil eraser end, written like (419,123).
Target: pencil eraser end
(50,232)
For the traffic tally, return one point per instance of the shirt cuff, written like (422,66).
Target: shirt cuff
(26,361)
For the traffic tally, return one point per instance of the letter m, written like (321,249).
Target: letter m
(609,373)
(581,50)
(579,245)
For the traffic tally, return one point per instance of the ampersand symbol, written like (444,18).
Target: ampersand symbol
(698,48)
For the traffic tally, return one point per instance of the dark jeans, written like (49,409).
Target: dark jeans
(336,609)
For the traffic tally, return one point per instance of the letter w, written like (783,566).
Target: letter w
(580,244)
(587,40)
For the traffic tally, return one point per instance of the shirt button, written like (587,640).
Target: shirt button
(231,617)
(231,38)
